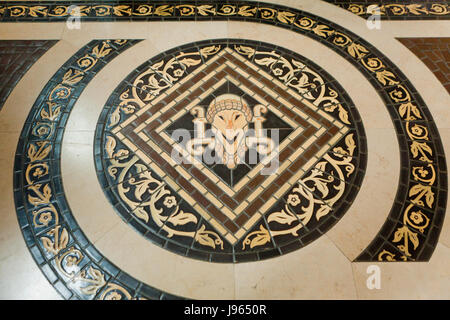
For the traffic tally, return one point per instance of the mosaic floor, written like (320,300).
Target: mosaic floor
(241,150)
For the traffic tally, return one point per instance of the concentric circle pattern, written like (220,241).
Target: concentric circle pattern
(222,150)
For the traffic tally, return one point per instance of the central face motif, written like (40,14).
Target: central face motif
(229,117)
(229,151)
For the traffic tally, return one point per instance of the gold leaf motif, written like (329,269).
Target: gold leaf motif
(110,146)
(282,217)
(182,218)
(261,237)
(122,10)
(41,153)
(72,77)
(141,213)
(103,51)
(350,143)
(204,237)
(247,11)
(188,62)
(286,17)
(416,9)
(386,77)
(42,197)
(356,50)
(52,113)
(421,191)
(323,211)
(410,111)
(60,240)
(96,280)
(399,234)
(164,10)
(246,51)
(322,30)
(421,148)
(35,10)
(205,9)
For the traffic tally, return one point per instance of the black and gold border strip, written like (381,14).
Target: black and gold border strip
(397,10)
(157,10)
(412,229)
(67,258)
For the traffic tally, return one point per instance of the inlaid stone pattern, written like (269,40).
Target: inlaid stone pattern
(230,150)
(69,261)
(16,57)
(435,53)
(397,9)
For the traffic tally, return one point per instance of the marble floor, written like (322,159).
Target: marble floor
(291,149)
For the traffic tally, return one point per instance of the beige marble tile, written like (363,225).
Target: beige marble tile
(317,271)
(165,270)
(444,237)
(21,279)
(88,203)
(421,280)
(31,31)
(167,35)
(105,30)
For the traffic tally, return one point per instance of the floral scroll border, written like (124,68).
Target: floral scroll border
(421,148)
(155,10)
(389,10)
(66,257)
(125,179)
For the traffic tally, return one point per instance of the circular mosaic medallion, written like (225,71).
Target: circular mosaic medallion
(230,150)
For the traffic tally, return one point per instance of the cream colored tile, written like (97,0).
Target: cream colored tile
(31,31)
(91,209)
(317,271)
(167,35)
(444,237)
(165,270)
(20,278)
(8,145)
(421,280)
(105,30)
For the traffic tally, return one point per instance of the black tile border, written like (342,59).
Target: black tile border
(395,97)
(40,11)
(397,9)
(59,247)
(184,246)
